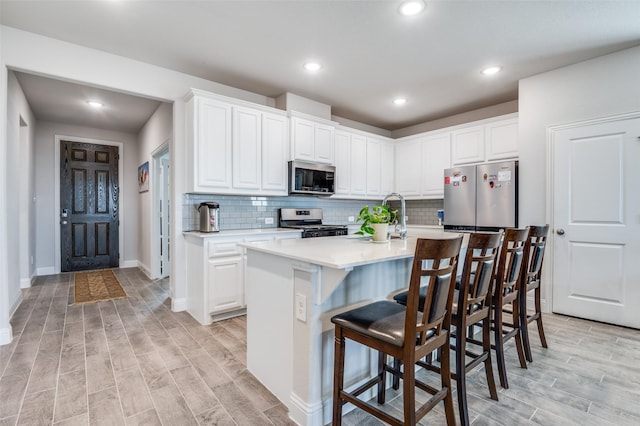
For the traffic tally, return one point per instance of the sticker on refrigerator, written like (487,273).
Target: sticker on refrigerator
(447,180)
(504,176)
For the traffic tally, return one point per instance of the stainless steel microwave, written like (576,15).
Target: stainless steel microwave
(311,178)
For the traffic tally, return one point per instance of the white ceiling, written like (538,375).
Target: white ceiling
(65,102)
(370,53)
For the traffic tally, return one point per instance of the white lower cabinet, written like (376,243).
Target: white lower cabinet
(215,273)
(226,284)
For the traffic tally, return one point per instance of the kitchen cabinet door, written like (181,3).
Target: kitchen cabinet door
(358,164)
(226,284)
(275,144)
(436,156)
(374,164)
(408,168)
(324,144)
(343,163)
(211,139)
(502,139)
(387,168)
(312,141)
(303,139)
(468,145)
(247,137)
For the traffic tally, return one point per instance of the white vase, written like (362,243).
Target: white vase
(381,231)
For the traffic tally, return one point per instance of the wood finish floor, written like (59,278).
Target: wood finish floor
(133,361)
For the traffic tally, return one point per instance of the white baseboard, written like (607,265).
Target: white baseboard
(47,270)
(5,336)
(179,305)
(25,282)
(543,304)
(145,269)
(130,264)
(15,304)
(305,414)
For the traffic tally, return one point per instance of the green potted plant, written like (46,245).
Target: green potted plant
(375,222)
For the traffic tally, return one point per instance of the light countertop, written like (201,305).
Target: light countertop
(240,232)
(345,252)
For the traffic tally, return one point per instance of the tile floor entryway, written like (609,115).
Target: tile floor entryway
(133,361)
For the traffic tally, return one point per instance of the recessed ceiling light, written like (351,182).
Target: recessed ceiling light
(95,104)
(491,70)
(312,66)
(400,101)
(412,7)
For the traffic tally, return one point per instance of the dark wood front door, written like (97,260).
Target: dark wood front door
(89,194)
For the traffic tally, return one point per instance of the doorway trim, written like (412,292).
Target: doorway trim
(551,139)
(56,200)
(156,155)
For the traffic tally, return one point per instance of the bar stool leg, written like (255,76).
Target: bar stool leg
(499,344)
(524,323)
(518,327)
(382,377)
(486,347)
(461,377)
(338,376)
(543,339)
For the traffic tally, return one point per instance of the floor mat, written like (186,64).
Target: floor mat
(96,286)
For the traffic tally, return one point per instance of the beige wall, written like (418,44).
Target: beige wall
(45,174)
(153,135)
(600,87)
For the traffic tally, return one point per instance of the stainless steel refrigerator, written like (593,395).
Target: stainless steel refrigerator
(482,197)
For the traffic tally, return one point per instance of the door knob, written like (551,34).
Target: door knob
(560,231)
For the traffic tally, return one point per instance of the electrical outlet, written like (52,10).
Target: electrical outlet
(301,307)
(268,221)
(351,219)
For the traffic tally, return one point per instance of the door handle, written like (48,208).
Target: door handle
(64,222)
(560,231)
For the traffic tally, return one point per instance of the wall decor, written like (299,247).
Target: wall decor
(143,177)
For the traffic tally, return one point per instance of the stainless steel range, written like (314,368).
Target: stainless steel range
(310,221)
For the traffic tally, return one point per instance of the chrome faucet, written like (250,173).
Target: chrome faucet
(403,219)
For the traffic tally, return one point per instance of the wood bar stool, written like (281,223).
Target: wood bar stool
(404,333)
(471,306)
(506,299)
(532,271)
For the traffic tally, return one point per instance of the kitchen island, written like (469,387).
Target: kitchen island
(293,288)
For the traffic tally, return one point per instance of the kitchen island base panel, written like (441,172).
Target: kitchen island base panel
(293,357)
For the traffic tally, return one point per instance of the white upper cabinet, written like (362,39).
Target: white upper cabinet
(492,139)
(468,145)
(312,140)
(374,167)
(209,145)
(235,147)
(420,164)
(358,165)
(502,139)
(408,167)
(342,185)
(387,168)
(247,142)
(435,157)
(364,165)
(275,149)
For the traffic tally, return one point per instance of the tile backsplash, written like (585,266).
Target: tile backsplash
(245,212)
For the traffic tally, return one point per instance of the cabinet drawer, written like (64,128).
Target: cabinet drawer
(223,249)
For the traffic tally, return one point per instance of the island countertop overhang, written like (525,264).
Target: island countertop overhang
(344,252)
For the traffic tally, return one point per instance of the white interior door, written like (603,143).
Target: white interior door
(596,216)
(165,208)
